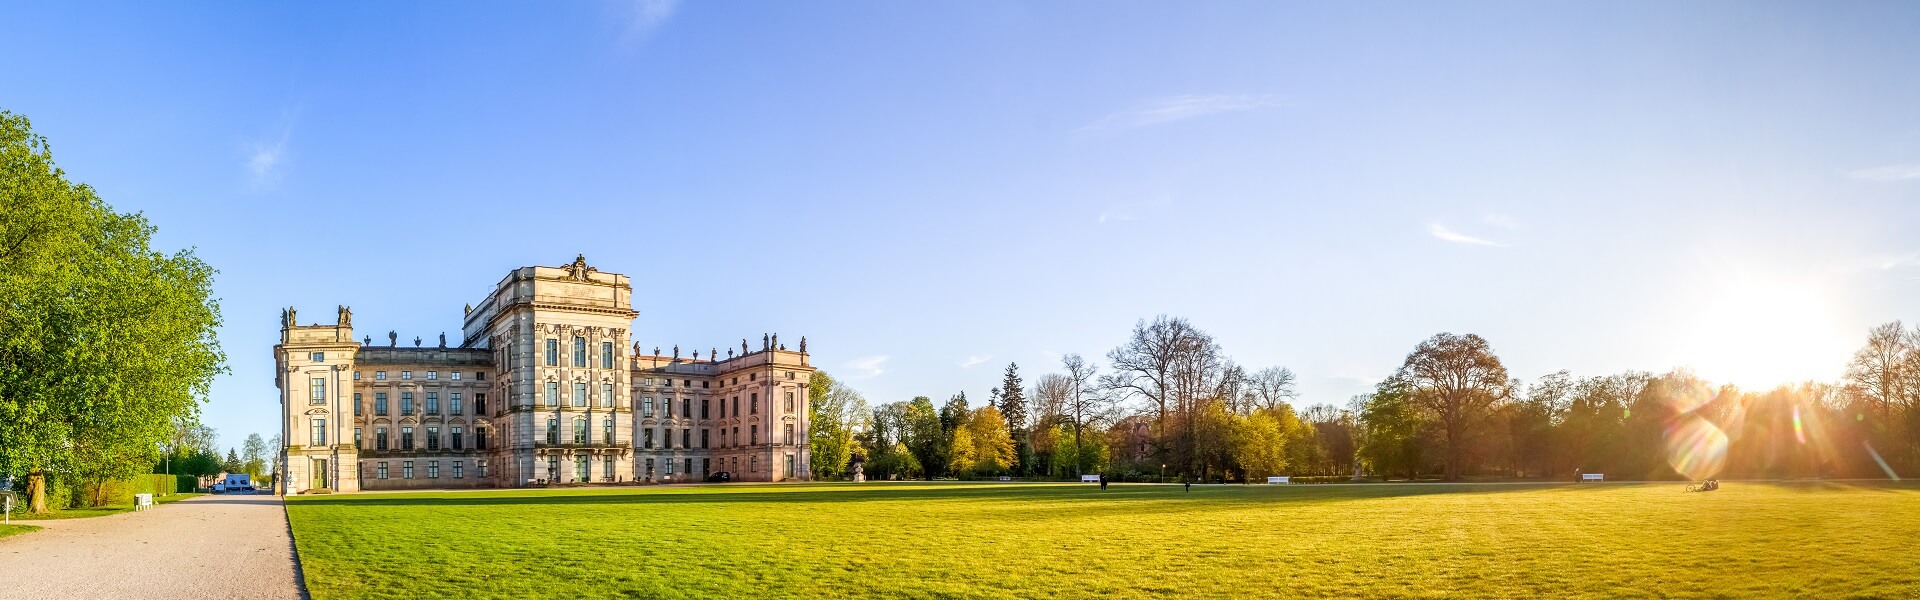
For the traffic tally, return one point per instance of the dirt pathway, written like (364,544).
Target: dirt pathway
(208,547)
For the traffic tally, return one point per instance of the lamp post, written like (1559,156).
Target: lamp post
(1163,472)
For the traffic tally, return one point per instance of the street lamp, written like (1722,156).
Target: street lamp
(1163,472)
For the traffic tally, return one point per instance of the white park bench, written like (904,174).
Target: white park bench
(1089,479)
(1005,478)
(1585,477)
(1280,480)
(142,501)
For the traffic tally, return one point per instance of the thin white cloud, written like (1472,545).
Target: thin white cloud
(1180,108)
(868,367)
(1445,234)
(648,15)
(974,361)
(1887,173)
(267,156)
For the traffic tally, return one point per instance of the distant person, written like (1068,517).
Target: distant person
(1103,482)
(1189,483)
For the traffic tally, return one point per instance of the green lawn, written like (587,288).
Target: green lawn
(111,509)
(7,530)
(1023,540)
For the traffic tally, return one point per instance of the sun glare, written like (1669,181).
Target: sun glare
(1759,333)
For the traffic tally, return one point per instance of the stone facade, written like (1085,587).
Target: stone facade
(545,386)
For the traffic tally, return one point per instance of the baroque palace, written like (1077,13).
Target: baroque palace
(544,387)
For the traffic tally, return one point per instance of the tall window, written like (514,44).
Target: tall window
(457,441)
(356,404)
(553,393)
(704,404)
(380,440)
(755,431)
(606,394)
(406,403)
(480,468)
(649,438)
(753,403)
(580,430)
(686,438)
(666,407)
(356,437)
(736,407)
(553,468)
(319,391)
(789,402)
(553,430)
(579,393)
(668,468)
(433,403)
(453,402)
(789,437)
(479,404)
(433,438)
(553,352)
(406,438)
(380,403)
(703,438)
(754,464)
(319,431)
(579,351)
(406,469)
(689,467)
(686,407)
(383,469)
(606,430)
(606,355)
(666,438)
(480,443)
(789,465)
(606,468)
(646,407)
(580,467)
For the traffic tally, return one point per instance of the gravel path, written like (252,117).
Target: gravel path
(207,547)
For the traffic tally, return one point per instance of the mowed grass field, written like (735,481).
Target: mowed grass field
(1068,540)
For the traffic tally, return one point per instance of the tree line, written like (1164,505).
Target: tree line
(1169,403)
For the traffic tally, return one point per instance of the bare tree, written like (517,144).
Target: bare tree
(1271,387)
(1457,379)
(1086,404)
(1882,372)
(1146,364)
(1050,394)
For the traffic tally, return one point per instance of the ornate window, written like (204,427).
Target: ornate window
(319,431)
(380,440)
(579,351)
(380,403)
(319,389)
(606,355)
(580,430)
(553,352)
(579,393)
(606,394)
(553,430)
(553,393)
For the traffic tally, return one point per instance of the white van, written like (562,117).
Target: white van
(235,482)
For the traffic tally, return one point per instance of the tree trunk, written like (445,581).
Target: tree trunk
(37,492)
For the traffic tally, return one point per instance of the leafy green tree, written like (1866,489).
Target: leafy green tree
(1393,425)
(253,455)
(923,437)
(834,415)
(105,343)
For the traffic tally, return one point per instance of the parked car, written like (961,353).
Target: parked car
(721,477)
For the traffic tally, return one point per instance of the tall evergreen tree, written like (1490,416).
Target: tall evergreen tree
(1013,402)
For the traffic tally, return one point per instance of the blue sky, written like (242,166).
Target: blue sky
(928,191)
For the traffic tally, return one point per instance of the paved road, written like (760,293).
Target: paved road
(207,547)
